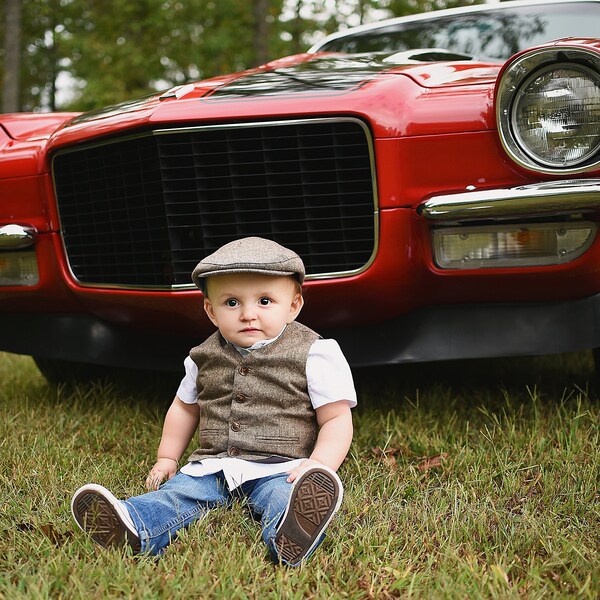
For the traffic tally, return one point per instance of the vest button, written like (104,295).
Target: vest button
(233,451)
(243,370)
(235,426)
(241,398)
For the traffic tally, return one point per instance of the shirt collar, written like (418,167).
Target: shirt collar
(256,345)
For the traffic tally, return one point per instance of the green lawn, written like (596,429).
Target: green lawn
(472,480)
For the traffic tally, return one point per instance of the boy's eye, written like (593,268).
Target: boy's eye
(232,302)
(264,301)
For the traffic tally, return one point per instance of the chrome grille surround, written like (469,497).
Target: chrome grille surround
(139,212)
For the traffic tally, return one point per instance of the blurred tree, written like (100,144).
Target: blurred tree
(43,28)
(12,48)
(122,49)
(400,8)
(261,31)
(114,49)
(39,56)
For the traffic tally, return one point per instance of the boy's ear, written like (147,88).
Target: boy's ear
(295,307)
(208,309)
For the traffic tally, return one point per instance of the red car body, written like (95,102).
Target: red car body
(432,158)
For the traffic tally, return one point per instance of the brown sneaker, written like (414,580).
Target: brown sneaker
(315,498)
(101,515)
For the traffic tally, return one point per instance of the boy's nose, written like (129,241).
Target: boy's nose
(248,313)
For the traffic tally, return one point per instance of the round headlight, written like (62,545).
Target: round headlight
(547,103)
(556,115)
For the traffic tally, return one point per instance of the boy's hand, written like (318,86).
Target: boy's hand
(295,473)
(163,470)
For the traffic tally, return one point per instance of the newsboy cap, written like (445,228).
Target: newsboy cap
(249,255)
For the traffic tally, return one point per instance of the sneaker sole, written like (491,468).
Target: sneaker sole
(97,516)
(315,498)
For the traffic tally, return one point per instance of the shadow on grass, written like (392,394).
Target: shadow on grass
(555,376)
(152,389)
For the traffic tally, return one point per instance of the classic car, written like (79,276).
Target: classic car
(439,174)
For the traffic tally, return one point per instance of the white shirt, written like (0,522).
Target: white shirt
(329,380)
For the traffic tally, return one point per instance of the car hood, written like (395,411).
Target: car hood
(23,126)
(297,85)
(327,74)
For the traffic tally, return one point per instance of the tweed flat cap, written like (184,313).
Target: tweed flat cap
(250,255)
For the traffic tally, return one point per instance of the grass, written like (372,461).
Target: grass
(465,480)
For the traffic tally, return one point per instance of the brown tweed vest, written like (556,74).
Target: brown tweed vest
(255,407)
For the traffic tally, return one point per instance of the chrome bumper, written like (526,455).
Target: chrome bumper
(16,237)
(549,198)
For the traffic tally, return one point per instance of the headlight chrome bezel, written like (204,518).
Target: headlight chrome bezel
(519,74)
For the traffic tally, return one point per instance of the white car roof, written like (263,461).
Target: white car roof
(490,6)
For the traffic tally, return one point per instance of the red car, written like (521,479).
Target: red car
(439,175)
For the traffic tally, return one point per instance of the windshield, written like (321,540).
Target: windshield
(495,34)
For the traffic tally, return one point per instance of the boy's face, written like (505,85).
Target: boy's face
(247,307)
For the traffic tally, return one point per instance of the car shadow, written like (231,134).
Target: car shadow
(556,376)
(469,381)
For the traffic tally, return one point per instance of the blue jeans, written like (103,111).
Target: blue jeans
(183,500)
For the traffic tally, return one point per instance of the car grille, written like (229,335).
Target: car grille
(142,211)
